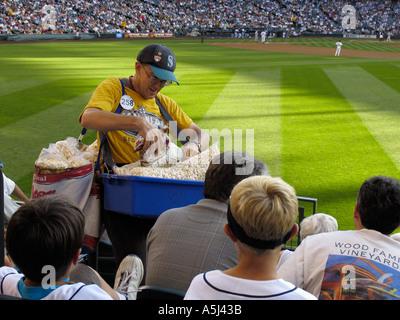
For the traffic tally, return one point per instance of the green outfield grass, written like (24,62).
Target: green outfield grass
(323,124)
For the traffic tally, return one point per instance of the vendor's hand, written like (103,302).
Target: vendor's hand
(154,140)
(151,135)
(190,149)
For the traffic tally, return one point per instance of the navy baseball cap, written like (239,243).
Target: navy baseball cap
(161,60)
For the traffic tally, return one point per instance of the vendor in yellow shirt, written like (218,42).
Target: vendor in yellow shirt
(126,108)
(140,113)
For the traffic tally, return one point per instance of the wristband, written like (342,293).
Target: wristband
(197,143)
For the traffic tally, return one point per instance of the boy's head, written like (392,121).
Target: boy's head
(48,231)
(226,170)
(263,212)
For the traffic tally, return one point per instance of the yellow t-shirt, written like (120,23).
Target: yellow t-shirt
(107,96)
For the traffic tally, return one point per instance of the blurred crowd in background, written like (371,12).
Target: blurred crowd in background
(171,16)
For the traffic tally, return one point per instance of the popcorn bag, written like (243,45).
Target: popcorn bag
(75,183)
(67,168)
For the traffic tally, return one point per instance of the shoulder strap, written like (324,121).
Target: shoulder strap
(170,120)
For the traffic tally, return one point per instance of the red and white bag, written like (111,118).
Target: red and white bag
(75,183)
(53,177)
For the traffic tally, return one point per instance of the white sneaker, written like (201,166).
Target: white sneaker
(129,276)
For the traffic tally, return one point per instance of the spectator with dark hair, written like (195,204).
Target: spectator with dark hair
(189,240)
(354,264)
(44,240)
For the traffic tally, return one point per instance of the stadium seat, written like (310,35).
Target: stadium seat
(159,293)
(7,297)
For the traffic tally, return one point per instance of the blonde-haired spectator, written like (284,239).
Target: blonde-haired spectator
(317,223)
(261,217)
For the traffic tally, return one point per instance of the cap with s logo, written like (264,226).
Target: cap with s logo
(161,60)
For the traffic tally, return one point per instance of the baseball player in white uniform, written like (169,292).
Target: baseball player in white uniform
(263,35)
(338,48)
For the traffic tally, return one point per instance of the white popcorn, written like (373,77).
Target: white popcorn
(51,158)
(77,161)
(66,154)
(193,168)
(91,152)
(68,147)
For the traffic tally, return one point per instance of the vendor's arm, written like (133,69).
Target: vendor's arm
(199,140)
(18,193)
(100,120)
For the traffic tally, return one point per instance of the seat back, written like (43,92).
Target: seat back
(159,293)
(7,297)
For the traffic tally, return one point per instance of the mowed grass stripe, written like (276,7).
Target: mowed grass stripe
(43,96)
(376,104)
(198,89)
(388,73)
(249,101)
(72,67)
(10,86)
(325,147)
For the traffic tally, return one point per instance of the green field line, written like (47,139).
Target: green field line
(250,100)
(8,86)
(376,104)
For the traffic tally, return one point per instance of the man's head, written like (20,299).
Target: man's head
(161,61)
(226,170)
(48,231)
(154,70)
(378,204)
(262,213)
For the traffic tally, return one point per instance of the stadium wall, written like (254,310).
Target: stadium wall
(81,36)
(206,34)
(46,36)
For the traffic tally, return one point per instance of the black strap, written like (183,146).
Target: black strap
(170,120)
(107,158)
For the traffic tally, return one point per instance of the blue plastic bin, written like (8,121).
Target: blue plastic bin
(148,197)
